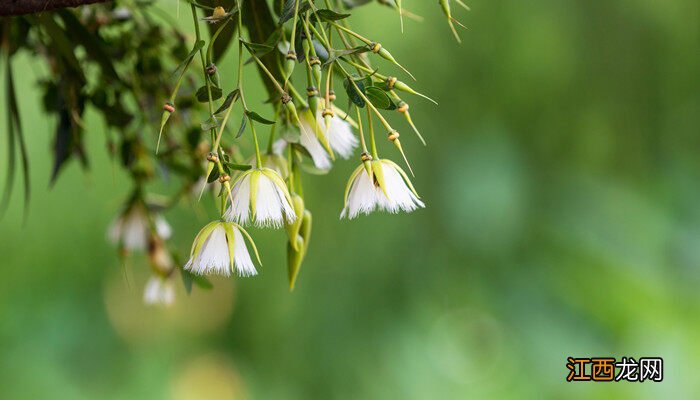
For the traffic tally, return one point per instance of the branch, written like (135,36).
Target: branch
(20,7)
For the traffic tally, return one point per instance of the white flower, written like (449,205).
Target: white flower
(219,249)
(386,189)
(260,196)
(309,129)
(340,135)
(131,228)
(159,290)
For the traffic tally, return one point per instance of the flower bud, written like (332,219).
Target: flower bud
(294,260)
(293,228)
(290,63)
(315,63)
(296,254)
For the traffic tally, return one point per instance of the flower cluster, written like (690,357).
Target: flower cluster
(304,54)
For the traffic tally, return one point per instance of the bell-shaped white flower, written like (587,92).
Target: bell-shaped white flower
(387,188)
(339,134)
(220,249)
(261,197)
(131,229)
(159,291)
(308,138)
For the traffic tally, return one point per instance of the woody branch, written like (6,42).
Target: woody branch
(21,7)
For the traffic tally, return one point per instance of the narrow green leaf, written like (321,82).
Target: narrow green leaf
(288,9)
(231,98)
(327,15)
(186,62)
(256,117)
(244,122)
(259,49)
(203,93)
(213,175)
(238,167)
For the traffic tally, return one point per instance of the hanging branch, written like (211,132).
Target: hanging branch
(21,7)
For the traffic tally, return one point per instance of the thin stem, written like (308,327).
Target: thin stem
(371,135)
(273,130)
(294,34)
(351,32)
(204,66)
(258,159)
(267,71)
(362,133)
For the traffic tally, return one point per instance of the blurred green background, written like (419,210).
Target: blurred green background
(561,179)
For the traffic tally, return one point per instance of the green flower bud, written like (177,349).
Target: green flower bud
(294,227)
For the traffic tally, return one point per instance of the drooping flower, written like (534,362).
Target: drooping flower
(159,288)
(340,135)
(261,197)
(220,249)
(308,138)
(159,291)
(131,229)
(387,188)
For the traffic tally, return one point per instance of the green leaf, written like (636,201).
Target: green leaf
(203,94)
(186,62)
(355,3)
(244,122)
(214,175)
(231,98)
(258,49)
(335,54)
(379,98)
(238,167)
(257,117)
(14,126)
(288,9)
(352,92)
(328,15)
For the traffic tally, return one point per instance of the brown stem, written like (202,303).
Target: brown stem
(20,7)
